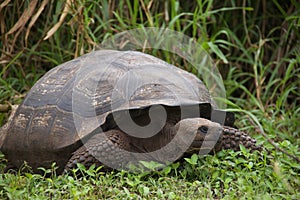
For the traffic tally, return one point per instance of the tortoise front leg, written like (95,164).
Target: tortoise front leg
(232,138)
(102,149)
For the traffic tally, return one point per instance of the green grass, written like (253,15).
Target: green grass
(228,175)
(256,47)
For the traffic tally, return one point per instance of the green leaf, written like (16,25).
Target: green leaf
(194,159)
(126,191)
(218,52)
(146,191)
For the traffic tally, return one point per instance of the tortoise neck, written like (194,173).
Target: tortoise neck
(158,140)
(168,131)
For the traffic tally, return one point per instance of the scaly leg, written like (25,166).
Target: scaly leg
(102,149)
(232,138)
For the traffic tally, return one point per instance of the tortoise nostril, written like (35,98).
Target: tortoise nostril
(203,129)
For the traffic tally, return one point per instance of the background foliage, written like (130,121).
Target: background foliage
(256,45)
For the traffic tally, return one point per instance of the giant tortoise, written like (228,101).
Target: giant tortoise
(113,108)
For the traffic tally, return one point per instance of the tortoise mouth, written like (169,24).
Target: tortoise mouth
(203,145)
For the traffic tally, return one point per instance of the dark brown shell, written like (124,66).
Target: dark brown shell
(75,91)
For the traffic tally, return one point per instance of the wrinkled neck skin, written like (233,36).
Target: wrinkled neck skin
(157,141)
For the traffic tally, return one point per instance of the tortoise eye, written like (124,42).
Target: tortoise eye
(203,129)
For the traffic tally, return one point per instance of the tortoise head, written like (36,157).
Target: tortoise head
(199,135)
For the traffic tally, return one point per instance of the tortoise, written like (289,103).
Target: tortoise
(101,107)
